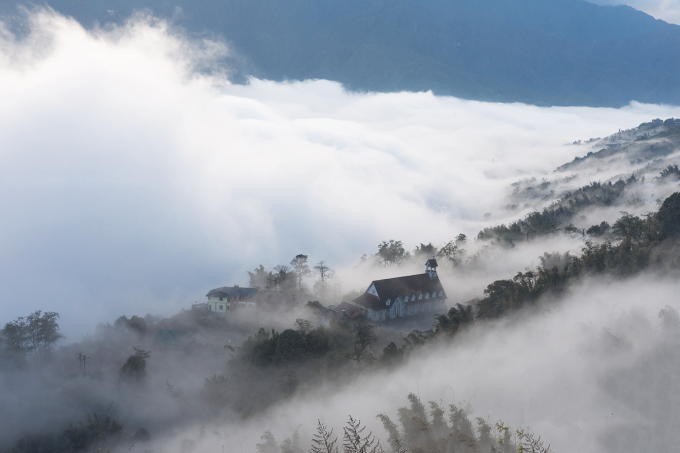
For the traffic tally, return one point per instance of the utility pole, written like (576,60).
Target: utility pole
(82,359)
(80,362)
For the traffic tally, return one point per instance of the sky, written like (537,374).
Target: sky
(666,10)
(131,182)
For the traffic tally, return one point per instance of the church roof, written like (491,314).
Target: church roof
(393,288)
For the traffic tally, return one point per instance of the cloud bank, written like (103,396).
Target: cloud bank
(134,177)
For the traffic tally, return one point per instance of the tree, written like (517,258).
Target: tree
(284,278)
(456,318)
(425,251)
(300,268)
(135,366)
(598,230)
(391,252)
(323,440)
(269,443)
(391,353)
(668,216)
(261,278)
(628,225)
(670,171)
(325,273)
(571,229)
(303,325)
(16,336)
(37,332)
(453,252)
(354,441)
(135,323)
(364,337)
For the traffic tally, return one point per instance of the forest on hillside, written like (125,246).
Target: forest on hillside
(274,365)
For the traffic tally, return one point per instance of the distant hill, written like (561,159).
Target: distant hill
(543,52)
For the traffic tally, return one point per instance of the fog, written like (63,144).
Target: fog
(594,373)
(135,177)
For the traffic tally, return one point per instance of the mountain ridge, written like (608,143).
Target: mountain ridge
(547,52)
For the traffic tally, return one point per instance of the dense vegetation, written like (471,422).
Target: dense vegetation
(645,243)
(558,214)
(420,431)
(98,433)
(36,333)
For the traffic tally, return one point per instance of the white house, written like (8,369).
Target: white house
(230,298)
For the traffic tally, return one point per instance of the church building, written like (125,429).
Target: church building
(404,296)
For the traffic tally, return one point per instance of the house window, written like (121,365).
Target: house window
(420,297)
(388,302)
(413,298)
(441,293)
(221,307)
(383,314)
(427,295)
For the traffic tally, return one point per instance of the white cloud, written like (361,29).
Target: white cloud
(131,183)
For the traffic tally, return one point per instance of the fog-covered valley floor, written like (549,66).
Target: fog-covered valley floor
(135,177)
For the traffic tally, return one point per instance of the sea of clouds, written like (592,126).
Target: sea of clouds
(134,176)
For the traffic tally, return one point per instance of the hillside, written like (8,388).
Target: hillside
(558,52)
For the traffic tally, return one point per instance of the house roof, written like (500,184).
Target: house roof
(368,300)
(232,291)
(393,288)
(351,311)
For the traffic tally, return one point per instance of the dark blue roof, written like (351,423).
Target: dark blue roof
(232,291)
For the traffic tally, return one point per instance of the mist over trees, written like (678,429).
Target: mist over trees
(36,333)
(250,364)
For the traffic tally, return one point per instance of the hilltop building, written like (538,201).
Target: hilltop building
(403,296)
(229,298)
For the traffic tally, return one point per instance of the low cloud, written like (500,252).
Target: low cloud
(135,177)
